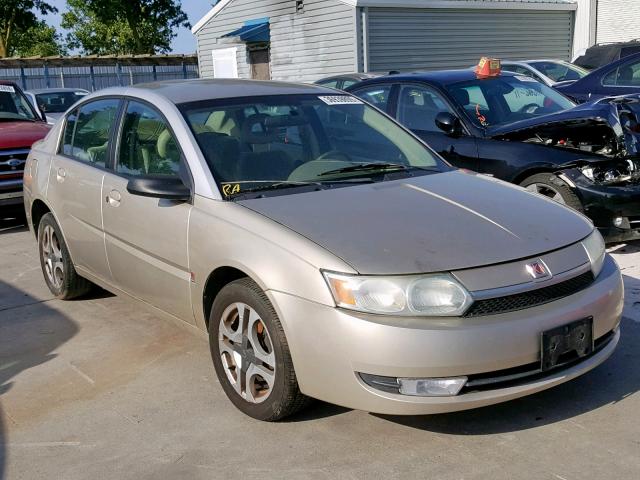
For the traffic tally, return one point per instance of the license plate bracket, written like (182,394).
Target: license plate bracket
(566,343)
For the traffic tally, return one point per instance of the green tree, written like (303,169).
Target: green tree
(123,26)
(41,39)
(18,16)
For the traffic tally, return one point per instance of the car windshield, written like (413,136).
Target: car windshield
(506,99)
(14,105)
(559,71)
(278,143)
(57,102)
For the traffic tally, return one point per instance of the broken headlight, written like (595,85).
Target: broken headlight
(612,173)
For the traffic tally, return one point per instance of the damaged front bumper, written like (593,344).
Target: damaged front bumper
(614,209)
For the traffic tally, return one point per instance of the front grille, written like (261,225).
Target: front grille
(520,301)
(12,163)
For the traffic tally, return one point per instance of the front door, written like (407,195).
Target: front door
(260,66)
(78,170)
(417,109)
(146,238)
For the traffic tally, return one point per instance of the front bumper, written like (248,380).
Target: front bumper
(603,204)
(330,346)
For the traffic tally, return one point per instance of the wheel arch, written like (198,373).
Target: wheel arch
(521,176)
(216,281)
(38,210)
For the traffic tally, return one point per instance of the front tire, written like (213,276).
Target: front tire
(553,187)
(58,270)
(251,355)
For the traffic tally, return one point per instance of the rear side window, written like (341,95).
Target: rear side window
(147,146)
(377,95)
(624,76)
(87,130)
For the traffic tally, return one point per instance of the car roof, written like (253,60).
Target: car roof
(38,91)
(440,77)
(186,91)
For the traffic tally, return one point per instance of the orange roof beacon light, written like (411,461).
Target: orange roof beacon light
(488,67)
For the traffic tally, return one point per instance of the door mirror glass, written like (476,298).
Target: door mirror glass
(448,123)
(169,188)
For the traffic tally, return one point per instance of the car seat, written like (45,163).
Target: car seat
(222,154)
(262,162)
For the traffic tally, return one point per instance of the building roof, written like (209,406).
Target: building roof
(186,91)
(495,4)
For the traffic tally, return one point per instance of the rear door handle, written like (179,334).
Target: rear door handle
(114,198)
(61,174)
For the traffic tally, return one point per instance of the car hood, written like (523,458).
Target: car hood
(615,117)
(21,134)
(433,223)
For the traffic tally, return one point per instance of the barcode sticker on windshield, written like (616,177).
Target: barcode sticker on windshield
(340,100)
(524,78)
(7,88)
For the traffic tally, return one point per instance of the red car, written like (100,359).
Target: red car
(20,127)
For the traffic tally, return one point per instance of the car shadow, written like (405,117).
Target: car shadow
(610,383)
(625,248)
(28,338)
(12,220)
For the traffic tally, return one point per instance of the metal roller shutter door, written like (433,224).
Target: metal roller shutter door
(618,21)
(405,39)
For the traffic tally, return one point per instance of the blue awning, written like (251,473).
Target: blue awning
(252,32)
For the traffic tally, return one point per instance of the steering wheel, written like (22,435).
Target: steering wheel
(529,108)
(315,168)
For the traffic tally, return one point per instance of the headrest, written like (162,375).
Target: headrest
(255,130)
(462,96)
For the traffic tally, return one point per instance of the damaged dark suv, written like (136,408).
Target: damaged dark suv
(517,129)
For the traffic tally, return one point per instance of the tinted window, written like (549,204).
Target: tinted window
(86,134)
(377,95)
(14,105)
(329,83)
(298,139)
(57,102)
(418,107)
(347,83)
(147,146)
(559,72)
(624,76)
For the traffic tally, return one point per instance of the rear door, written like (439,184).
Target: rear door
(417,108)
(75,183)
(146,238)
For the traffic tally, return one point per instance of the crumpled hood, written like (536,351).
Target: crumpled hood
(432,223)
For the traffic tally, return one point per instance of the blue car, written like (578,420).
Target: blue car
(621,77)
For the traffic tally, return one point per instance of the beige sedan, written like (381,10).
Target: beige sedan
(327,251)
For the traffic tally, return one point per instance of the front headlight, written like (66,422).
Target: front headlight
(424,295)
(594,245)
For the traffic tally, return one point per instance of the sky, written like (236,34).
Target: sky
(185,42)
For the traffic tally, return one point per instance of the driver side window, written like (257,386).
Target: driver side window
(147,146)
(418,108)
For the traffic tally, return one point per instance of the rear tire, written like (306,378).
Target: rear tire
(58,270)
(553,187)
(251,355)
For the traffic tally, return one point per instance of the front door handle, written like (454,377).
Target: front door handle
(114,198)
(61,174)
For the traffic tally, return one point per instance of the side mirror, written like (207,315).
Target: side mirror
(448,123)
(168,188)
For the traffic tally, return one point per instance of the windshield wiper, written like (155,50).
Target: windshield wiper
(275,186)
(378,167)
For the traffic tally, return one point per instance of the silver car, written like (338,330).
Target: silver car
(549,72)
(327,251)
(51,103)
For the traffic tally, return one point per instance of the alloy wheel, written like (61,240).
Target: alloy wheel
(52,256)
(547,191)
(246,352)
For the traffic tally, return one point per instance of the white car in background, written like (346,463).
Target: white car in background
(53,102)
(549,72)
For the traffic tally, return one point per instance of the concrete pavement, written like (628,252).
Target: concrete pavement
(100,388)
